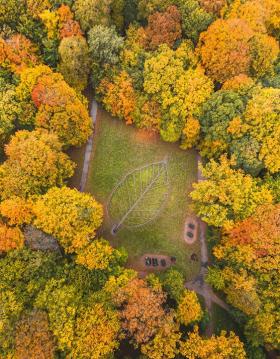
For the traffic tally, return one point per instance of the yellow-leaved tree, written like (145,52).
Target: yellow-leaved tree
(180,87)
(164,344)
(97,328)
(227,195)
(100,255)
(47,101)
(262,118)
(69,215)
(222,347)
(34,164)
(189,309)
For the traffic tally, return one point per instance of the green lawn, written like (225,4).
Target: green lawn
(120,149)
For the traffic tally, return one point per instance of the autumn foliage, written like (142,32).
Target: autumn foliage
(68,27)
(17,211)
(214,6)
(165,343)
(141,310)
(60,110)
(225,49)
(248,272)
(230,47)
(70,216)
(163,28)
(255,238)
(222,347)
(33,337)
(119,96)
(204,74)
(227,195)
(34,164)
(18,53)
(97,328)
(189,309)
(100,255)
(10,238)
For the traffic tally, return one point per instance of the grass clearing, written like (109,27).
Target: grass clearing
(121,149)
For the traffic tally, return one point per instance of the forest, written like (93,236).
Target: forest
(194,78)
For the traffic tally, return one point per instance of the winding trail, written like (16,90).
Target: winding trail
(199,284)
(89,148)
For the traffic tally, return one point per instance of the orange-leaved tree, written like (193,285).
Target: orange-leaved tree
(248,272)
(119,96)
(47,101)
(141,310)
(60,110)
(68,27)
(254,241)
(16,211)
(10,238)
(225,49)
(33,338)
(163,28)
(18,53)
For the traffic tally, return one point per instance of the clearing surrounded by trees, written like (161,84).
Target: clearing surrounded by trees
(119,152)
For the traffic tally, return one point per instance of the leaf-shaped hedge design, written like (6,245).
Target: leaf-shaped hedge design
(139,196)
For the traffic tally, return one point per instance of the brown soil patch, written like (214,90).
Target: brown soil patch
(146,136)
(191,227)
(140,266)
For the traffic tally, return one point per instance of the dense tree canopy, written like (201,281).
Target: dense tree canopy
(74,61)
(189,309)
(225,49)
(17,53)
(215,347)
(227,195)
(163,28)
(250,275)
(142,312)
(92,12)
(34,164)
(80,214)
(202,73)
(9,111)
(10,238)
(33,337)
(97,329)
